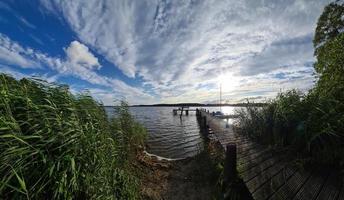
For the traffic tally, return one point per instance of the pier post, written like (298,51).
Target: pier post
(205,126)
(227,124)
(230,163)
(204,121)
(186,112)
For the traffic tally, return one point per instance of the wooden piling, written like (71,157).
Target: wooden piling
(230,171)
(204,121)
(205,126)
(186,112)
(227,124)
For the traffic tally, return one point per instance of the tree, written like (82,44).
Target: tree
(326,120)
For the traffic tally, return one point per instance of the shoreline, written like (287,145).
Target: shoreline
(161,158)
(175,179)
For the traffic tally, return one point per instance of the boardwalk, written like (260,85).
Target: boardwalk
(269,174)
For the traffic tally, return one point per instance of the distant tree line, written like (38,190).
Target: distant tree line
(203,105)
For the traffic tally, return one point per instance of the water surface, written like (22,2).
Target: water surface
(169,135)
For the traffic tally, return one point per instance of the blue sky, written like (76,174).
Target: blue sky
(161,51)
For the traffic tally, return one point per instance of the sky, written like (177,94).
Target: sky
(163,51)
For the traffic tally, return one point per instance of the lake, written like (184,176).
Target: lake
(169,135)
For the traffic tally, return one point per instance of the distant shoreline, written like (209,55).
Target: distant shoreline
(198,105)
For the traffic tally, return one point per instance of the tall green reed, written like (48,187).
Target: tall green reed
(57,145)
(298,121)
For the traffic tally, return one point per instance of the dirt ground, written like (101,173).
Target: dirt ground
(191,178)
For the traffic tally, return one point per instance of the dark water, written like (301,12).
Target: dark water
(169,135)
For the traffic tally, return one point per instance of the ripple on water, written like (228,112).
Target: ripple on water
(169,135)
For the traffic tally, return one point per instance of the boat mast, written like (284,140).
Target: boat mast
(220,97)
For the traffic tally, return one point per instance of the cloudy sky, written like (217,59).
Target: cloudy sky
(162,51)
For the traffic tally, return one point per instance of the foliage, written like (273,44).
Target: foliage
(327,119)
(329,25)
(280,122)
(312,123)
(127,136)
(56,145)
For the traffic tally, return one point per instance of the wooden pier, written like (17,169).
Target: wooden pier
(182,109)
(269,173)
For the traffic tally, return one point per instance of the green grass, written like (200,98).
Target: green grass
(56,145)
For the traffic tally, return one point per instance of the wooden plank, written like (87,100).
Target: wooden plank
(249,148)
(288,190)
(341,194)
(248,172)
(256,159)
(312,187)
(271,186)
(265,176)
(256,149)
(331,187)
(250,163)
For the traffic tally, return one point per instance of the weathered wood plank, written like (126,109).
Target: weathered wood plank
(292,186)
(255,159)
(271,186)
(312,187)
(341,194)
(331,187)
(247,173)
(265,176)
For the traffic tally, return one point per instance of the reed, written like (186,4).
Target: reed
(55,145)
(298,121)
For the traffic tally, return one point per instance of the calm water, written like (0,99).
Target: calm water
(169,135)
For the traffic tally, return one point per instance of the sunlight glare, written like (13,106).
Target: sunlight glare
(229,82)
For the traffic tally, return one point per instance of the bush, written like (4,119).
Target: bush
(56,145)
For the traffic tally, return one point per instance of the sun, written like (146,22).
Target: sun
(228,82)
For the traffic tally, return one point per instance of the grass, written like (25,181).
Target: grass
(57,145)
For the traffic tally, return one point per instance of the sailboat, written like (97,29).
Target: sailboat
(220,113)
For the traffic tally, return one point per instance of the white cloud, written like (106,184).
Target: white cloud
(176,45)
(79,63)
(11,53)
(79,54)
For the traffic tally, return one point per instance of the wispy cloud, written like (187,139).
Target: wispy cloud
(11,53)
(175,45)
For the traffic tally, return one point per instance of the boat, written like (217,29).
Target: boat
(220,113)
